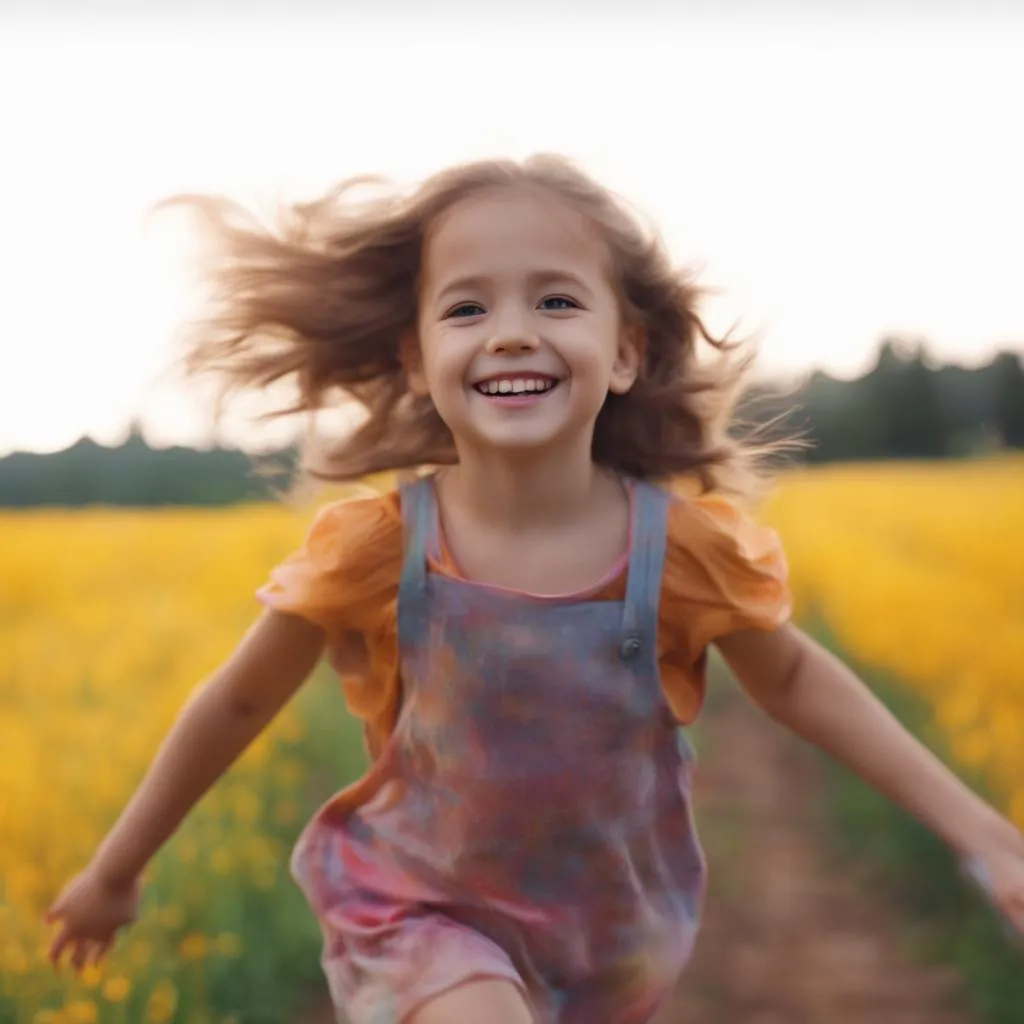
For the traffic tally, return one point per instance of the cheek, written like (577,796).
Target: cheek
(444,374)
(442,369)
(593,358)
(451,354)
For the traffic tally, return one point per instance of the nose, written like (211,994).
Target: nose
(513,335)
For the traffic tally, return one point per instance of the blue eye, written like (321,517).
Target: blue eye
(564,302)
(465,309)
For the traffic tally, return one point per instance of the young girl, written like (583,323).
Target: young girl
(524,630)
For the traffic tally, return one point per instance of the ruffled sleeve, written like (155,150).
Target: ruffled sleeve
(723,573)
(345,579)
(349,563)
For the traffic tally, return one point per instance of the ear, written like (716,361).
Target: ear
(628,359)
(412,362)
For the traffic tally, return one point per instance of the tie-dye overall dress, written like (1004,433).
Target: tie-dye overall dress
(530,816)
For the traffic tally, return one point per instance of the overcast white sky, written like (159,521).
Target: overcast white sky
(841,174)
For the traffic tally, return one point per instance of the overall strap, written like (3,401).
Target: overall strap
(646,565)
(419,526)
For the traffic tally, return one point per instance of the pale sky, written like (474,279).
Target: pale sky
(841,175)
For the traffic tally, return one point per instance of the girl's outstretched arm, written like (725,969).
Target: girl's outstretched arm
(805,687)
(220,720)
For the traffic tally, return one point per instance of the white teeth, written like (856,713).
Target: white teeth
(521,385)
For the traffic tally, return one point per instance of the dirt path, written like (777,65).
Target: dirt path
(787,939)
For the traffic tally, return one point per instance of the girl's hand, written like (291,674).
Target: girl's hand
(91,909)
(1000,876)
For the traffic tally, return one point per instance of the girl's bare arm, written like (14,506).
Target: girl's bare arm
(221,719)
(805,687)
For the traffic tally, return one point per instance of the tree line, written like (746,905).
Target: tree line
(903,407)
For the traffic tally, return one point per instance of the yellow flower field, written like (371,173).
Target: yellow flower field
(109,618)
(919,570)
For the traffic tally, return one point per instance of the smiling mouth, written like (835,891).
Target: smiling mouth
(506,387)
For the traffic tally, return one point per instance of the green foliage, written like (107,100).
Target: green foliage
(136,474)
(281,968)
(919,874)
(902,408)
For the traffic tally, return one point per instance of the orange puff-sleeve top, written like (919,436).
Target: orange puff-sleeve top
(723,573)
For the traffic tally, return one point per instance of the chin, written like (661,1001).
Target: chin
(518,440)
(517,444)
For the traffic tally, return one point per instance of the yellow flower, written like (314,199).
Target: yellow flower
(81,1012)
(116,989)
(194,946)
(156,596)
(916,570)
(228,944)
(14,959)
(222,861)
(91,975)
(171,916)
(162,1002)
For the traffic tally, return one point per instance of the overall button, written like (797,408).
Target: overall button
(630,647)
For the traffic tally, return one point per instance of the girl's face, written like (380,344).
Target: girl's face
(520,332)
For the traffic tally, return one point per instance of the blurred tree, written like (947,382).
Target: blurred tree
(136,474)
(902,404)
(901,408)
(1008,398)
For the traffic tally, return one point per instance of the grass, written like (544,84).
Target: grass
(918,872)
(280,972)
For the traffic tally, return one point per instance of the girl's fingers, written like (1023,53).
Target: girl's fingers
(1017,915)
(59,945)
(1012,909)
(99,950)
(56,909)
(80,955)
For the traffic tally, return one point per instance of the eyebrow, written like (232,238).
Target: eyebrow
(471,282)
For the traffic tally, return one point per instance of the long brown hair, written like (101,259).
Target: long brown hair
(322,298)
